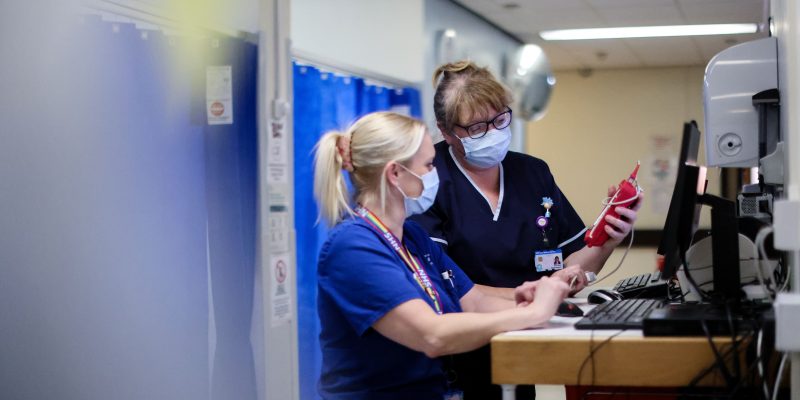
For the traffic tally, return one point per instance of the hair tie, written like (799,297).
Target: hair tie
(345,152)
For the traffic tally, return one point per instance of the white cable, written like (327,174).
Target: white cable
(776,387)
(606,202)
(621,260)
(572,239)
(760,254)
(786,280)
(759,342)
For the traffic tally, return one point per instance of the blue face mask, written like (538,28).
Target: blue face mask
(489,150)
(430,185)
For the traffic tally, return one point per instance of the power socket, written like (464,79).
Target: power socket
(787,225)
(787,321)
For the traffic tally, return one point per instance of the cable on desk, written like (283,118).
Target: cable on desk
(593,350)
(759,346)
(720,363)
(736,367)
(777,386)
(719,360)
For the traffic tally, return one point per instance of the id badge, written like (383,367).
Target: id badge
(548,260)
(454,395)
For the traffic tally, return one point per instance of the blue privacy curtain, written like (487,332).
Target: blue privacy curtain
(322,102)
(152,250)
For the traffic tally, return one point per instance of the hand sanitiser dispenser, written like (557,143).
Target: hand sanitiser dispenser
(732,78)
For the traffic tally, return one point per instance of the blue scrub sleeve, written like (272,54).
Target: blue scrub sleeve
(569,218)
(363,277)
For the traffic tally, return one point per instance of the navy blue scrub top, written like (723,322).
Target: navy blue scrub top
(361,278)
(498,250)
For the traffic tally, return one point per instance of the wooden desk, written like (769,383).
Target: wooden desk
(554,356)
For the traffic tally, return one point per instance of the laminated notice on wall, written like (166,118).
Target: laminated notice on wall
(661,166)
(280,291)
(219,95)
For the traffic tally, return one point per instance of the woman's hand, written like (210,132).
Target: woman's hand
(549,294)
(524,294)
(572,272)
(618,228)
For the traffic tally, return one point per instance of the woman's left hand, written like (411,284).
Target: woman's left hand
(618,228)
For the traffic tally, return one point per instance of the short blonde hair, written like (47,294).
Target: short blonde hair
(463,88)
(363,150)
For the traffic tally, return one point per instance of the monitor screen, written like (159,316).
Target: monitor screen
(678,226)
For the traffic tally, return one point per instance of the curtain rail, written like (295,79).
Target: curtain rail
(329,65)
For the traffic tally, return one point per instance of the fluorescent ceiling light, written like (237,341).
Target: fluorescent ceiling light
(647,31)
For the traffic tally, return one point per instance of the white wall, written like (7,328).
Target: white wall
(597,127)
(382,36)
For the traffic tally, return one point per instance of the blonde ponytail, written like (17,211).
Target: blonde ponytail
(364,150)
(330,189)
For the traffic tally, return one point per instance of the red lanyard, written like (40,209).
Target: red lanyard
(411,262)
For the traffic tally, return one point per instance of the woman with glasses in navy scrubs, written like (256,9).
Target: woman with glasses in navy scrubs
(498,214)
(392,304)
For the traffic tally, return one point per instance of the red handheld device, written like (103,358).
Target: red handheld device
(626,196)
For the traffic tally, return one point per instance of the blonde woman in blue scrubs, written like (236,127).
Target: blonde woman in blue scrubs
(393,305)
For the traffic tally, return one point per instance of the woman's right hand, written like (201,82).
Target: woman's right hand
(550,292)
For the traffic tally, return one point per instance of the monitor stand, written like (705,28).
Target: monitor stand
(724,250)
(725,311)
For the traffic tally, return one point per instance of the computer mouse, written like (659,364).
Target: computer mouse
(567,309)
(601,296)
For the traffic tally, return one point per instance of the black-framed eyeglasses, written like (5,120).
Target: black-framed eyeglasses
(479,129)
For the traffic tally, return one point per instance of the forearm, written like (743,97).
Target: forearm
(486,302)
(503,293)
(591,258)
(461,332)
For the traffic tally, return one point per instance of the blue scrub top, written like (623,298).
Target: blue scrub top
(361,278)
(498,249)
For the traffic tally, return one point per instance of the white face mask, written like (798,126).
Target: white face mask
(489,150)
(430,185)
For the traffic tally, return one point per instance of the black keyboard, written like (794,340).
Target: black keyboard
(618,314)
(645,286)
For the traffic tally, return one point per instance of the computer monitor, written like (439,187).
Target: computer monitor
(672,233)
(687,198)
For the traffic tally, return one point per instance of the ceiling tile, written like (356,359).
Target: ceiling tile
(543,20)
(722,11)
(533,16)
(641,16)
(711,45)
(629,3)
(559,58)
(666,51)
(601,53)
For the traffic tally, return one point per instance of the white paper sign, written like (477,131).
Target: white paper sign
(281,313)
(276,143)
(277,174)
(278,234)
(219,95)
